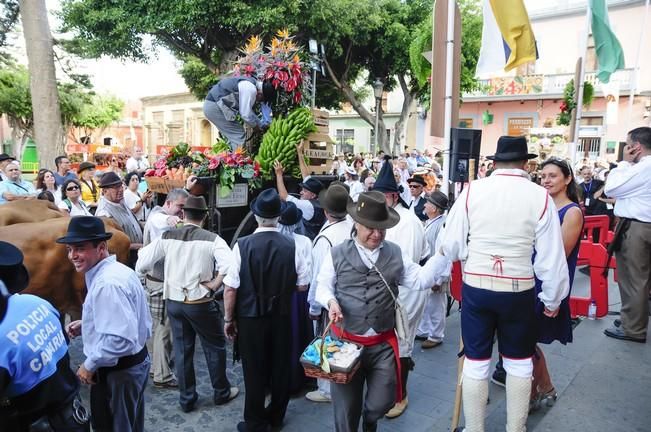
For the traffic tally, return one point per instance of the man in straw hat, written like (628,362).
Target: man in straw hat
(196,262)
(498,279)
(336,229)
(36,382)
(257,304)
(360,300)
(116,325)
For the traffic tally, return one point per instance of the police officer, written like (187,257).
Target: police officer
(37,386)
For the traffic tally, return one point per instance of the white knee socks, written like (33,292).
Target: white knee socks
(475,395)
(518,392)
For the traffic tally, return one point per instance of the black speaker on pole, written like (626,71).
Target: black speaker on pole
(465,147)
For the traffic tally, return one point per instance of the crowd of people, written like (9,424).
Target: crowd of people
(344,256)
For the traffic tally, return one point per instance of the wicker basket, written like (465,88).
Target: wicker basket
(337,375)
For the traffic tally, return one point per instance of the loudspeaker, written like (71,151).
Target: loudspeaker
(465,145)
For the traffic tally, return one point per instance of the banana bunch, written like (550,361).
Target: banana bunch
(279,142)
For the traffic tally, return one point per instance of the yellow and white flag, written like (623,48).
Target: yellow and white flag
(507,39)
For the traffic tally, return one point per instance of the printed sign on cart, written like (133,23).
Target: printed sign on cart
(238,197)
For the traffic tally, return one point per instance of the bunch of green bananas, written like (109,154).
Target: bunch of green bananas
(279,142)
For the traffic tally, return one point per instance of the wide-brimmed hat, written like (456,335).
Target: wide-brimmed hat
(372,211)
(351,171)
(417,179)
(312,184)
(439,199)
(85,166)
(385,181)
(12,270)
(267,205)
(109,179)
(511,148)
(334,200)
(85,228)
(291,215)
(195,203)
(5,156)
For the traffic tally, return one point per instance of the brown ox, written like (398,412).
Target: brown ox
(28,211)
(52,276)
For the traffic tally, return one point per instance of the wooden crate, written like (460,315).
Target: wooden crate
(156,184)
(318,147)
(321,121)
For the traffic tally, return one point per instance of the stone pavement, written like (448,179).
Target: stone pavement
(602,384)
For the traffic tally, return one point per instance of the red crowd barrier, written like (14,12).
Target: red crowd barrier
(594,254)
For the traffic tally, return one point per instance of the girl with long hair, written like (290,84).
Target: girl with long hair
(45,181)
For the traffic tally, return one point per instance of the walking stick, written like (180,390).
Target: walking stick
(456,412)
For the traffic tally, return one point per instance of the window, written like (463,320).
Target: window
(156,136)
(345,140)
(590,147)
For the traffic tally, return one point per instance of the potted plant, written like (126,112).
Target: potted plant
(227,168)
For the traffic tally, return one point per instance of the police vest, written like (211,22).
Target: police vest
(32,342)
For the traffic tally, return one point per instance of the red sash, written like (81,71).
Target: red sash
(389,337)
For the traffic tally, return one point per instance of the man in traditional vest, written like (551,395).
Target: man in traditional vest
(337,229)
(235,96)
(358,281)
(409,234)
(257,308)
(313,216)
(498,280)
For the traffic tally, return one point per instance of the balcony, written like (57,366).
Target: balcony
(539,86)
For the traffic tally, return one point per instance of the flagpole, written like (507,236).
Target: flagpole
(579,87)
(447,121)
(636,70)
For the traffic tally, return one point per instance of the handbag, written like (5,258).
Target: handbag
(402,320)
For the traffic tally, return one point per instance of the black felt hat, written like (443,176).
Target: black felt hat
(438,199)
(85,228)
(510,149)
(417,179)
(195,203)
(291,214)
(109,179)
(312,184)
(335,199)
(12,271)
(268,204)
(5,156)
(372,211)
(84,166)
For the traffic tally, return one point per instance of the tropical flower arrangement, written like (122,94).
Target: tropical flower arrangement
(279,63)
(568,104)
(226,166)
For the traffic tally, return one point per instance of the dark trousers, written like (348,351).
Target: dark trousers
(188,321)
(264,345)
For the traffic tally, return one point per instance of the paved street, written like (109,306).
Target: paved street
(602,384)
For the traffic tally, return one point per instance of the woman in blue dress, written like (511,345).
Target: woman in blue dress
(556,176)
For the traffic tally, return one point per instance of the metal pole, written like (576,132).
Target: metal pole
(449,66)
(377,122)
(579,87)
(636,70)
(313,87)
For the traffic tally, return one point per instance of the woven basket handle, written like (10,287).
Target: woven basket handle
(325,332)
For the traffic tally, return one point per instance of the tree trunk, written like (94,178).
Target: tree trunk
(48,130)
(408,104)
(366,115)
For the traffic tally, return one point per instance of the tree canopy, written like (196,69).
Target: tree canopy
(363,39)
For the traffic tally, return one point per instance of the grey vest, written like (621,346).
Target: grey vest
(361,294)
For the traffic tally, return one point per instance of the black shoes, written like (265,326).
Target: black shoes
(499,376)
(618,333)
(617,323)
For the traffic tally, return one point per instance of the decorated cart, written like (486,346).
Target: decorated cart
(230,179)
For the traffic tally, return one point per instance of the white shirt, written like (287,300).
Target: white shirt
(413,276)
(134,164)
(115,320)
(304,205)
(131,200)
(232,279)
(630,185)
(247,98)
(356,188)
(157,224)
(331,235)
(78,209)
(409,234)
(550,265)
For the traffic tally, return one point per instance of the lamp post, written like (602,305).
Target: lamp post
(313,47)
(378,89)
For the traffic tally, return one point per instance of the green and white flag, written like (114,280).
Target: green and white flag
(609,51)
